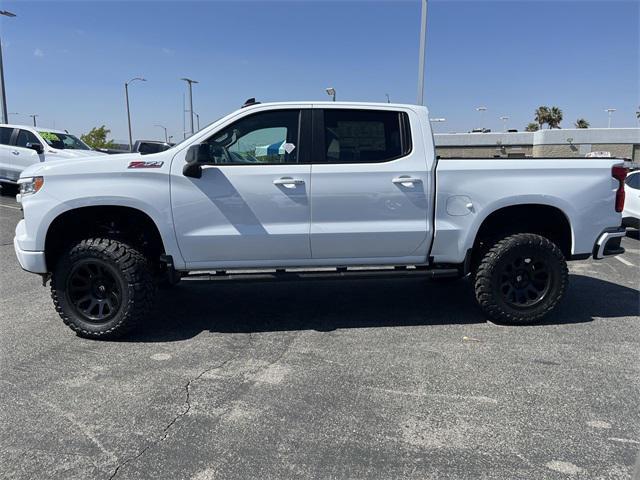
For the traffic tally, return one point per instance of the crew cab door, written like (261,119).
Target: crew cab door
(251,205)
(370,187)
(8,170)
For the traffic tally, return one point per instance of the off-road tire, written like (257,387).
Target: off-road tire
(131,273)
(492,270)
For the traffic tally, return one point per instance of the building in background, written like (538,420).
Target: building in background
(620,142)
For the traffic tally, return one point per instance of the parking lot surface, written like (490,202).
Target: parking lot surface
(384,378)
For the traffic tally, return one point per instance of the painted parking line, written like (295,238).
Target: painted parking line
(9,206)
(626,262)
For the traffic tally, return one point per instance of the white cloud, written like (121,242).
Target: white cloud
(38,52)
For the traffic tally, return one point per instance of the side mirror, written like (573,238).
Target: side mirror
(197,155)
(35,146)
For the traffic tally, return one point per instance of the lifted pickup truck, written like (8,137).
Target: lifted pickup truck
(286,186)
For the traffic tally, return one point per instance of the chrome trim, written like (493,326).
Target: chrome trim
(604,238)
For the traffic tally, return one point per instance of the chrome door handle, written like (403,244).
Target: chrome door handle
(403,180)
(288,182)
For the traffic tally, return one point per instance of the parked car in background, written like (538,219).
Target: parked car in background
(22,145)
(145,147)
(631,212)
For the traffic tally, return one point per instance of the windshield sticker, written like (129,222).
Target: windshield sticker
(289,147)
(50,137)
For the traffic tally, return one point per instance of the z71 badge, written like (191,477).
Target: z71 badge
(146,164)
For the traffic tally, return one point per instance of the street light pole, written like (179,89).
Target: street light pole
(190,82)
(3,95)
(126,96)
(198,121)
(505,119)
(166,139)
(388,99)
(610,111)
(481,110)
(33,115)
(331,92)
(423,46)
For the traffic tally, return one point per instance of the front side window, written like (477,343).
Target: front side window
(5,135)
(24,137)
(363,136)
(63,141)
(262,138)
(633,181)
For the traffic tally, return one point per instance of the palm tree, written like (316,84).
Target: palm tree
(542,115)
(532,127)
(582,123)
(555,117)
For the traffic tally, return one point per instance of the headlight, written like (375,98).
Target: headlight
(31,185)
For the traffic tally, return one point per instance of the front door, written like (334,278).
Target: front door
(251,205)
(370,187)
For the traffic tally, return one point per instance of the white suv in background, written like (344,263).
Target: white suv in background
(21,146)
(631,212)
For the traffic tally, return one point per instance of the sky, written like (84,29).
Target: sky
(68,61)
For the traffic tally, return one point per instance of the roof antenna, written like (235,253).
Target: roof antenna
(249,102)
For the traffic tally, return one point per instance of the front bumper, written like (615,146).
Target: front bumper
(31,261)
(608,243)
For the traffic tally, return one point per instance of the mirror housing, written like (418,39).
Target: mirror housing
(197,155)
(35,146)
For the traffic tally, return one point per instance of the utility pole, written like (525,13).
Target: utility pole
(610,112)
(190,82)
(423,46)
(126,96)
(3,95)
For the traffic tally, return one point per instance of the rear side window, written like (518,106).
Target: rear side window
(633,181)
(365,136)
(24,137)
(5,135)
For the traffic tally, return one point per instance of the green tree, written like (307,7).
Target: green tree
(582,123)
(97,138)
(532,127)
(542,116)
(555,117)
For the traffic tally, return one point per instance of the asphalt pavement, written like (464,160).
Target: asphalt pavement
(331,379)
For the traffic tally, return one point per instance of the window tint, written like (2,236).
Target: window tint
(262,138)
(24,137)
(633,181)
(362,136)
(5,135)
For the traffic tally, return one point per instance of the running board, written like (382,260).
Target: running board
(289,274)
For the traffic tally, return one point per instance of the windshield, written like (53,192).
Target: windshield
(63,141)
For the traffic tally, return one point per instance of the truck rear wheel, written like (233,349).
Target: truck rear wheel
(521,279)
(101,288)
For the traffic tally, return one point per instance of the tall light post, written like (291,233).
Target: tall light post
(190,82)
(388,99)
(423,46)
(197,120)
(481,110)
(166,139)
(505,119)
(331,92)
(3,95)
(33,116)
(126,96)
(610,112)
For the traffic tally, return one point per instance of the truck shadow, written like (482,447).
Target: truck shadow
(241,306)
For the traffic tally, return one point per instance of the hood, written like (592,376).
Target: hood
(75,153)
(94,164)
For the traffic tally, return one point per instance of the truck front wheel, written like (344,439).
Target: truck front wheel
(521,279)
(102,288)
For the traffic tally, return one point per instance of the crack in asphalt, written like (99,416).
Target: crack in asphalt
(165,430)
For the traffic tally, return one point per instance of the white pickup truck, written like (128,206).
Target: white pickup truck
(286,186)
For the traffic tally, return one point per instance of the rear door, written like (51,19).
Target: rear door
(369,187)
(8,170)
